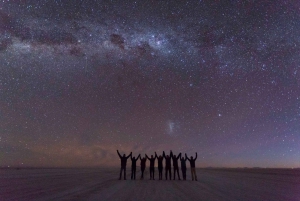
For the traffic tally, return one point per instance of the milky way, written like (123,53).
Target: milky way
(81,79)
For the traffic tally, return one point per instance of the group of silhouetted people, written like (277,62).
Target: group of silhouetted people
(160,158)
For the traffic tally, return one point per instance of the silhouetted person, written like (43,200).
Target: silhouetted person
(160,165)
(175,164)
(183,167)
(168,165)
(133,166)
(123,164)
(152,163)
(143,166)
(193,167)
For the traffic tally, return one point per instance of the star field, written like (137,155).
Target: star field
(80,79)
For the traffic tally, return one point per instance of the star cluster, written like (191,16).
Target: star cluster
(80,79)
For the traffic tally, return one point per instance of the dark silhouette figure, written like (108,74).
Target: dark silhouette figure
(175,164)
(123,164)
(143,166)
(183,167)
(133,166)
(168,165)
(193,167)
(152,163)
(160,165)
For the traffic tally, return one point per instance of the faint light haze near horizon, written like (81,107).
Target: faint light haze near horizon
(80,79)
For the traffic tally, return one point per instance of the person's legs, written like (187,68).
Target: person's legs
(195,174)
(124,173)
(142,170)
(134,170)
(153,171)
(150,174)
(166,173)
(160,173)
(192,173)
(184,173)
(178,173)
(174,173)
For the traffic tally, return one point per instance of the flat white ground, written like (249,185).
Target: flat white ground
(103,184)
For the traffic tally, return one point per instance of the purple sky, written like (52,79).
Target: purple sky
(81,79)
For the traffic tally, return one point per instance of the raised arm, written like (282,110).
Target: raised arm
(171,154)
(129,155)
(155,155)
(164,154)
(196,156)
(187,157)
(147,157)
(119,153)
(179,156)
(138,157)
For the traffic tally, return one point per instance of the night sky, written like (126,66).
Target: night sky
(80,79)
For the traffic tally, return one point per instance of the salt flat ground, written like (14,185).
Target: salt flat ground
(103,184)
